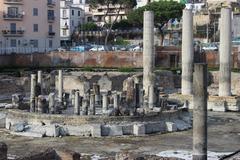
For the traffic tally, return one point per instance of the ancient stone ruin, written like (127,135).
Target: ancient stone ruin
(62,104)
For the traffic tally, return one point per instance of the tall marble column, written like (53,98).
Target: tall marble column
(225,52)
(148,51)
(187,52)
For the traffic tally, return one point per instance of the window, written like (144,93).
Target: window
(13,43)
(34,43)
(72,23)
(73,12)
(50,28)
(79,13)
(50,43)
(13,27)
(13,11)
(64,14)
(35,12)
(50,14)
(35,27)
(64,32)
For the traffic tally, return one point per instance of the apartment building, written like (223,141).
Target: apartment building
(114,12)
(71,16)
(28,26)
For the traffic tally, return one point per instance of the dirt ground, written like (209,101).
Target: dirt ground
(223,136)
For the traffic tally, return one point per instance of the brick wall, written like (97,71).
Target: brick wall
(164,57)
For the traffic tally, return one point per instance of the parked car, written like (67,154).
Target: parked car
(137,49)
(97,48)
(210,47)
(77,49)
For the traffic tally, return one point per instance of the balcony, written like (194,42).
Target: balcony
(65,27)
(12,33)
(20,2)
(13,17)
(51,34)
(51,19)
(51,3)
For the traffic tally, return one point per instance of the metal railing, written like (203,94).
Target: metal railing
(12,33)
(18,16)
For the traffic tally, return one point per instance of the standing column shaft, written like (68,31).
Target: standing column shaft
(76,104)
(200,112)
(104,102)
(51,103)
(60,85)
(187,52)
(148,51)
(151,97)
(39,81)
(96,91)
(115,100)
(225,52)
(33,92)
(92,105)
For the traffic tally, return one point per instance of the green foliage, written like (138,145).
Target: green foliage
(121,41)
(87,69)
(163,11)
(122,25)
(90,26)
(126,69)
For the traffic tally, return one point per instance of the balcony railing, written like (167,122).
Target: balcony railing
(51,18)
(17,17)
(51,3)
(13,1)
(65,27)
(12,33)
(51,34)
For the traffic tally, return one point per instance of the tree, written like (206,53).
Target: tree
(163,12)
(118,4)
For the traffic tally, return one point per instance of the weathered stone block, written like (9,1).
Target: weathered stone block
(96,130)
(83,130)
(181,125)
(127,129)
(2,120)
(111,130)
(52,130)
(171,127)
(154,127)
(217,106)
(139,129)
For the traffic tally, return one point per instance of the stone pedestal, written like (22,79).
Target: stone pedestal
(187,52)
(225,51)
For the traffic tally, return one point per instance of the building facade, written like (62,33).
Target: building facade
(28,27)
(71,16)
(115,12)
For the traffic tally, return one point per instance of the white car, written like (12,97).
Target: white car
(97,48)
(210,47)
(137,49)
